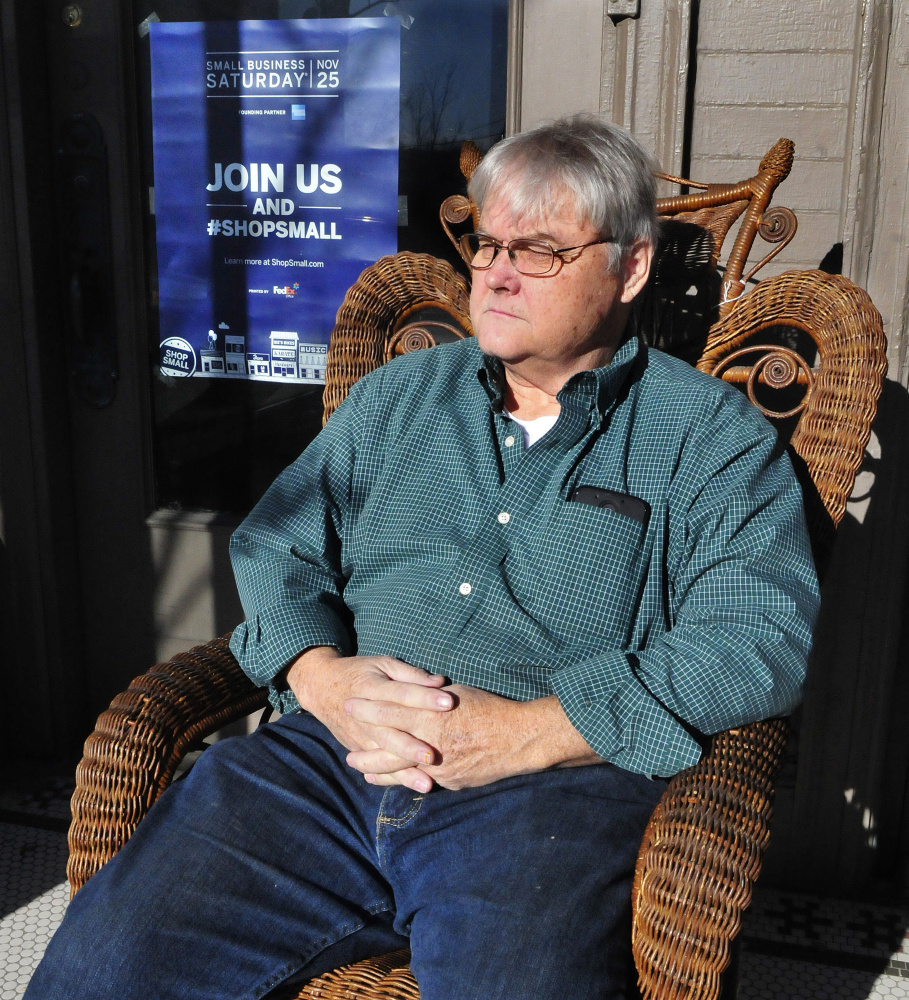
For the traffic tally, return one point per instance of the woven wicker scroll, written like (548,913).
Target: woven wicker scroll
(384,297)
(719,205)
(851,361)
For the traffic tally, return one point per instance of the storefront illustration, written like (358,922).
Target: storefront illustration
(284,354)
(312,362)
(212,358)
(258,365)
(234,354)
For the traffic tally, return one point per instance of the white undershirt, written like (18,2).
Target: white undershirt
(535,429)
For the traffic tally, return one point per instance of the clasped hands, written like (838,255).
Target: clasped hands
(405,726)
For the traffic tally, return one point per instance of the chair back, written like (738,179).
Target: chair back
(403,302)
(807,347)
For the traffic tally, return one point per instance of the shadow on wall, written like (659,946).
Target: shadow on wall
(840,808)
(196,597)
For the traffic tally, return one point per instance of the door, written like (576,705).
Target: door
(136,479)
(120,486)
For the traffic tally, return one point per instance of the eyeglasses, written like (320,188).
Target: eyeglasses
(527,256)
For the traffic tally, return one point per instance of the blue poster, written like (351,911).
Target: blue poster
(276,183)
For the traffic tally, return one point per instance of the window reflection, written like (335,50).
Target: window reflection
(218,444)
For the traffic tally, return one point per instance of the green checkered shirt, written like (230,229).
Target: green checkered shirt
(418,525)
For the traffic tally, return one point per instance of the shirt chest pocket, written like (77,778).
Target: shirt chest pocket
(587,575)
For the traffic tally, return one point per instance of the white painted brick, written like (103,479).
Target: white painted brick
(714,170)
(562,59)
(780,264)
(771,27)
(724,131)
(813,185)
(814,78)
(817,233)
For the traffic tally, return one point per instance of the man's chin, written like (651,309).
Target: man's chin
(503,348)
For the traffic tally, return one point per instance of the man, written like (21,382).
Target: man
(512,584)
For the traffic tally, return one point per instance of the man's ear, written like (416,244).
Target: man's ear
(636,270)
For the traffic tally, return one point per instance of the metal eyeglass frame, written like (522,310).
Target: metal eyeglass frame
(469,254)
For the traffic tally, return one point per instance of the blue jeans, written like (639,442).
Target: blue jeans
(274,862)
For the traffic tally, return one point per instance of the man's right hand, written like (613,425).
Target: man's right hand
(323,681)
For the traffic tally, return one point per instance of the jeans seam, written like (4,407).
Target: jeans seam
(384,821)
(406,818)
(276,978)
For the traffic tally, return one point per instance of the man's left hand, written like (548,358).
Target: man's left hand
(482,739)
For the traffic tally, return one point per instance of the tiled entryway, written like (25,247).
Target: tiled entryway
(33,896)
(797,946)
(34,816)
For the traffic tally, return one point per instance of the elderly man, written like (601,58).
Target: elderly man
(511,585)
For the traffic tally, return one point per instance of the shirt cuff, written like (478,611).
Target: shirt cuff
(591,695)
(265,645)
(619,718)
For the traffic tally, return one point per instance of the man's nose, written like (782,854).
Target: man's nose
(502,272)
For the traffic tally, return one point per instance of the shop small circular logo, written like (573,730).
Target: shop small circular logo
(177,357)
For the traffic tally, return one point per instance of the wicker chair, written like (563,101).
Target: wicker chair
(702,849)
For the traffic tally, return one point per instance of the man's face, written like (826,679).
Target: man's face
(565,319)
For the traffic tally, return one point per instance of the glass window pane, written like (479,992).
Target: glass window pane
(220,442)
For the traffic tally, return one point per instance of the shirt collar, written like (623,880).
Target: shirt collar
(597,388)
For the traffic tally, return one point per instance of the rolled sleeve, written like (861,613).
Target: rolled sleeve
(287,561)
(619,720)
(268,643)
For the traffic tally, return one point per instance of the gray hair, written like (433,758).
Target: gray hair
(605,169)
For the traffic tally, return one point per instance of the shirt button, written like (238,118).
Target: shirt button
(504,517)
(465,588)
(509,441)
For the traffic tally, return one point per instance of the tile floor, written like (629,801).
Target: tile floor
(795,947)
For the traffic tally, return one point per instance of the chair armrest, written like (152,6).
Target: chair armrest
(138,742)
(698,861)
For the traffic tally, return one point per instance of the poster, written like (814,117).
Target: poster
(276,183)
